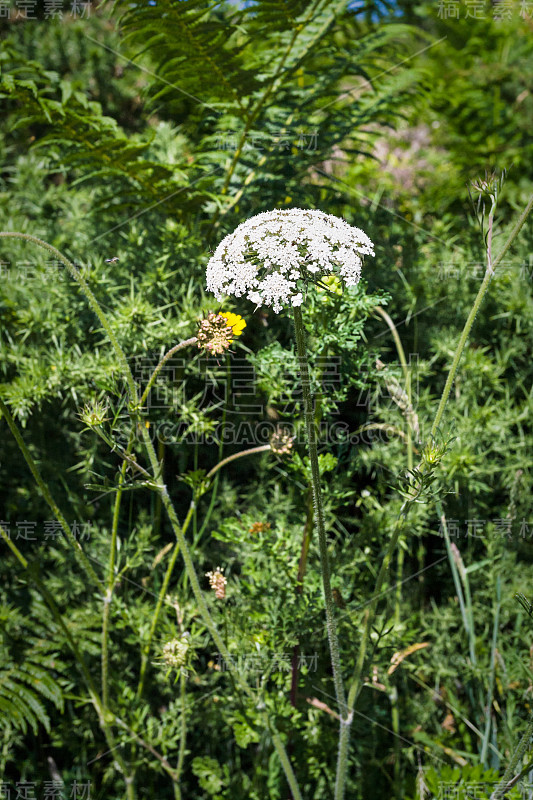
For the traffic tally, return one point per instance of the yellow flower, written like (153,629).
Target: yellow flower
(235,321)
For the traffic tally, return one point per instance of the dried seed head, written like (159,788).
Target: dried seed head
(281,442)
(215,334)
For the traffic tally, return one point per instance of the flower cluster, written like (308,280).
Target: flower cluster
(175,651)
(217,582)
(216,332)
(259,527)
(270,257)
(281,442)
(94,413)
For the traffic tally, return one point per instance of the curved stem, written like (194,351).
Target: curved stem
(319,512)
(147,746)
(165,358)
(159,605)
(169,507)
(459,352)
(356,685)
(409,437)
(397,341)
(260,449)
(214,490)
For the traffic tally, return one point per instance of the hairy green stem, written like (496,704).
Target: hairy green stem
(355,687)
(208,619)
(302,565)
(147,746)
(214,490)
(397,341)
(183,735)
(159,604)
(523,745)
(260,449)
(134,409)
(214,472)
(321,528)
(517,778)
(319,510)
(407,378)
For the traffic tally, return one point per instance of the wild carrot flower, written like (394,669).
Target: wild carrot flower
(218,582)
(271,257)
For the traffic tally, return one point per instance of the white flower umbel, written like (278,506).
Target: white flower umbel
(270,257)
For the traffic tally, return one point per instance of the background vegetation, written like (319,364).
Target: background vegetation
(134,137)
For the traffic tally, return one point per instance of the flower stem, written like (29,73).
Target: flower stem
(260,449)
(523,745)
(356,685)
(169,507)
(159,604)
(491,267)
(165,358)
(183,736)
(319,512)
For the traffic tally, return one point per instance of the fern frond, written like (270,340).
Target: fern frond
(22,687)
(195,39)
(28,683)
